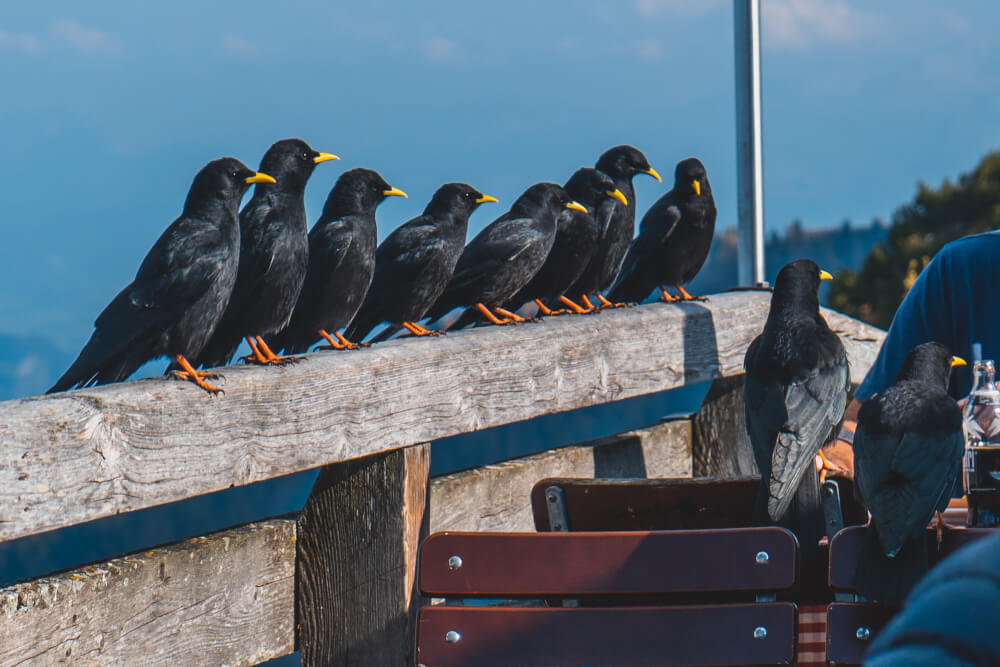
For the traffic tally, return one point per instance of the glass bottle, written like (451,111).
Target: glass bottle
(981,464)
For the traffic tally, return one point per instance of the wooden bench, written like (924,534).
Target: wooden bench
(851,623)
(619,592)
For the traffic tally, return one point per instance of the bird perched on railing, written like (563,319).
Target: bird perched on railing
(795,393)
(616,222)
(341,262)
(415,262)
(504,256)
(180,291)
(674,239)
(273,256)
(907,455)
(575,243)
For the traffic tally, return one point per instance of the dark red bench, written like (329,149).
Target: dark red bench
(851,623)
(619,593)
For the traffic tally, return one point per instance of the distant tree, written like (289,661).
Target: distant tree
(917,231)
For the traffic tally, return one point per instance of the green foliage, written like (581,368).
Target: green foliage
(917,231)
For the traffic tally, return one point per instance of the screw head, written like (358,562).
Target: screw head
(452,637)
(863,634)
(762,557)
(760,632)
(455,562)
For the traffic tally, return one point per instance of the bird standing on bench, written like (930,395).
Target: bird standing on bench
(794,398)
(907,455)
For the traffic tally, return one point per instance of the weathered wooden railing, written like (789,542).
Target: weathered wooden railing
(337,580)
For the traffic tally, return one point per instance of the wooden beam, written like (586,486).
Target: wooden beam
(720,445)
(498,497)
(82,455)
(223,599)
(358,536)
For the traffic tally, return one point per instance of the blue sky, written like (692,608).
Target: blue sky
(106,114)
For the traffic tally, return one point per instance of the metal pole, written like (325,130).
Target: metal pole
(746,27)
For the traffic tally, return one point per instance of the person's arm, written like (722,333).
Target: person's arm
(840,452)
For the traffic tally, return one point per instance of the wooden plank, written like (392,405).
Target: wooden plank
(498,496)
(78,456)
(358,537)
(512,565)
(223,599)
(624,636)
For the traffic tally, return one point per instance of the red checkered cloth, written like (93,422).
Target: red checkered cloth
(812,635)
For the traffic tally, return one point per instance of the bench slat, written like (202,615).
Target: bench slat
(610,637)
(550,564)
(846,641)
(846,545)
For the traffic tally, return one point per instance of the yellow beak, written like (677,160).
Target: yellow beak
(823,275)
(323,157)
(394,192)
(617,194)
(652,172)
(260,177)
(486,198)
(958,361)
(696,186)
(576,207)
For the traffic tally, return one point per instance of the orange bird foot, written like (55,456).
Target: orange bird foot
(666,297)
(824,466)
(687,297)
(198,377)
(340,343)
(514,317)
(548,312)
(490,316)
(607,304)
(418,330)
(591,308)
(574,308)
(263,355)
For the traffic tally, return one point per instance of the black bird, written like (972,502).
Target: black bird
(674,238)
(617,223)
(907,455)
(415,262)
(182,286)
(341,262)
(795,393)
(503,257)
(576,241)
(274,252)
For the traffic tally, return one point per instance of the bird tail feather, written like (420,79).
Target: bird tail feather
(805,514)
(888,580)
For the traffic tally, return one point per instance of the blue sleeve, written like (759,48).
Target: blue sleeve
(925,315)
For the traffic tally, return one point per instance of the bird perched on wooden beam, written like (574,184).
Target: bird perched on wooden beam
(341,262)
(907,455)
(674,238)
(616,222)
(503,257)
(795,394)
(274,252)
(180,291)
(415,262)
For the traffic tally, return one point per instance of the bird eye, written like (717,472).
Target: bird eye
(233,174)
(305,156)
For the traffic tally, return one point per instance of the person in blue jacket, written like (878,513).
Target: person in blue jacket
(954,301)
(950,618)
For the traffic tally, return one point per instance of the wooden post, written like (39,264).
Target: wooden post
(358,536)
(720,446)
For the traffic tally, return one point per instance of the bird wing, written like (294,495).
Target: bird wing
(488,252)
(904,478)
(328,246)
(814,407)
(656,227)
(407,250)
